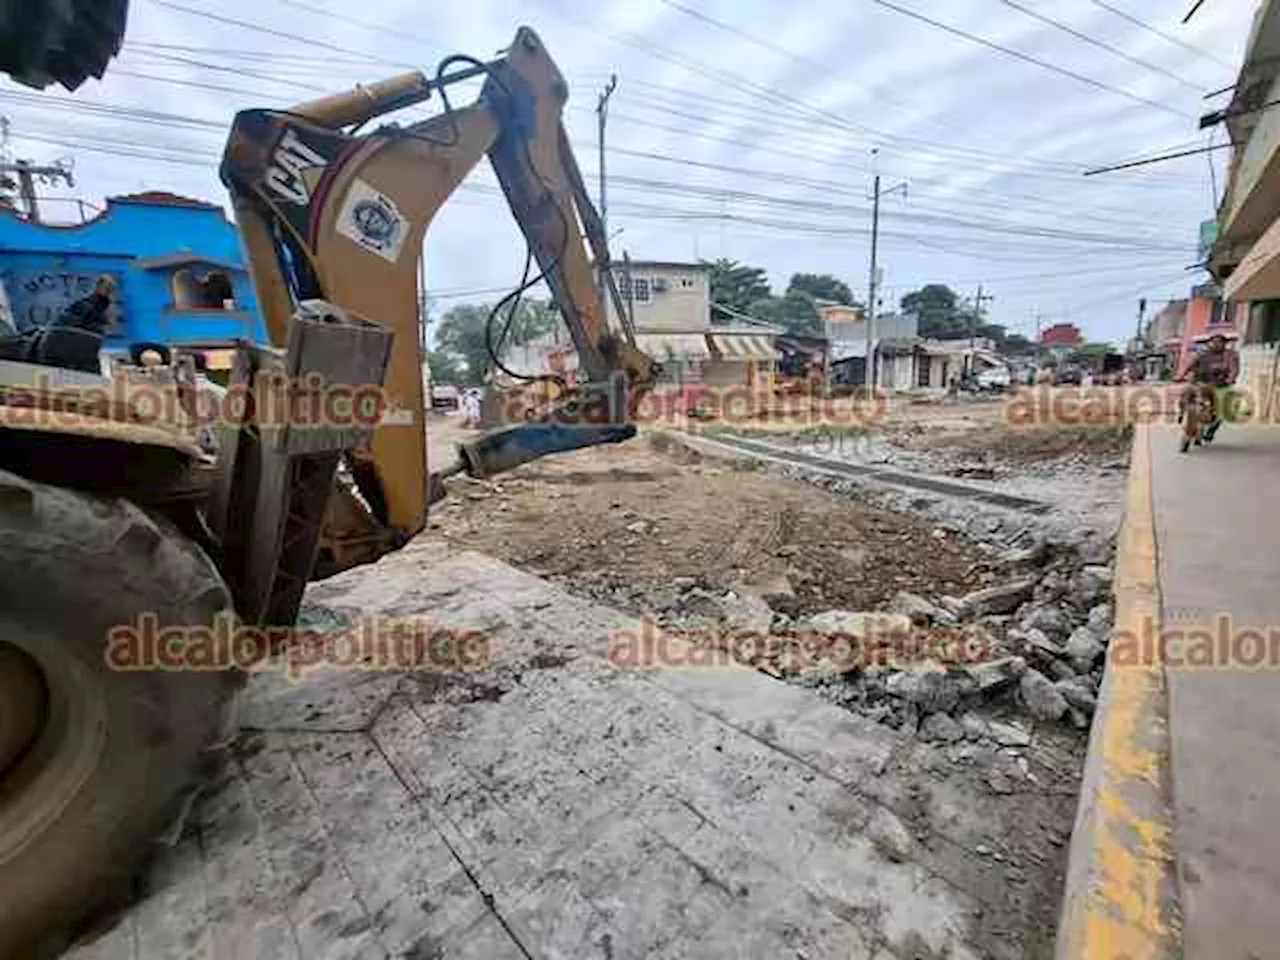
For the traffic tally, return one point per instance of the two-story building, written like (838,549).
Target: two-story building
(1245,256)
(670,303)
(181,278)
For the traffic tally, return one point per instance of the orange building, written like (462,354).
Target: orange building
(1207,315)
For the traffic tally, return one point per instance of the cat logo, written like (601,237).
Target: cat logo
(295,169)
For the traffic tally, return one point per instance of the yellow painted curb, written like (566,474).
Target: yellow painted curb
(1121,896)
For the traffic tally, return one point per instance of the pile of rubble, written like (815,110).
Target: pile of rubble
(1033,644)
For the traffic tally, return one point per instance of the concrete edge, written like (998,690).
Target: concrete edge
(1121,898)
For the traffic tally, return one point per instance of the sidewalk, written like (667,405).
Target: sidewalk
(1217,534)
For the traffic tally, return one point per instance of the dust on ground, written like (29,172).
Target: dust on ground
(624,524)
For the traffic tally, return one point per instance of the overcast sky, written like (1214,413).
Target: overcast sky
(744,129)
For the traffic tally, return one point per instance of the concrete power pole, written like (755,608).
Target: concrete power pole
(869,375)
(602,117)
(28,172)
(978,299)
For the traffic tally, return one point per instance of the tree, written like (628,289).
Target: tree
(821,286)
(795,311)
(735,286)
(444,368)
(460,341)
(1016,345)
(461,348)
(942,314)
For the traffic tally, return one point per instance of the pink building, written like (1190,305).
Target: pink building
(1207,315)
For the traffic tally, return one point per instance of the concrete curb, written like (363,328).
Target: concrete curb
(1121,898)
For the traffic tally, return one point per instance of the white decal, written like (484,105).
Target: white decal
(291,158)
(373,221)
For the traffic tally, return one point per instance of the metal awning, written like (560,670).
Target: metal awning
(673,346)
(743,346)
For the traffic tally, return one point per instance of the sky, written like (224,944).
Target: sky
(744,129)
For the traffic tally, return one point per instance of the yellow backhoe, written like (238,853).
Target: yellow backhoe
(122,541)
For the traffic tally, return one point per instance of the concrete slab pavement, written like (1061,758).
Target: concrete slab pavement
(1175,851)
(555,806)
(1218,539)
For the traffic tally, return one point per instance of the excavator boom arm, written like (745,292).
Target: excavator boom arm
(327,214)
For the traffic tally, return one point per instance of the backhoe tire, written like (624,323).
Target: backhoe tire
(111,763)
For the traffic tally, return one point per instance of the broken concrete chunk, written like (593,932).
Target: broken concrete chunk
(747,610)
(931,689)
(890,835)
(1083,648)
(974,727)
(1079,718)
(918,609)
(1041,697)
(1032,556)
(1008,734)
(861,624)
(940,726)
(995,675)
(1100,618)
(1004,598)
(1050,619)
(1092,583)
(1040,646)
(1078,694)
(821,674)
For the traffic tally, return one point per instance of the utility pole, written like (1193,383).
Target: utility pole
(978,300)
(869,375)
(602,117)
(28,172)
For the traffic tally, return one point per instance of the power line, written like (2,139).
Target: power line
(1093,41)
(1161,34)
(238,71)
(932,144)
(398,32)
(283,34)
(270,55)
(1160,159)
(255,95)
(1026,58)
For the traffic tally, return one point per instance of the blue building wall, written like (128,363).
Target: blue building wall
(143,241)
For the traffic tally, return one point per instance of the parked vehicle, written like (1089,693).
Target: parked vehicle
(994,379)
(1068,376)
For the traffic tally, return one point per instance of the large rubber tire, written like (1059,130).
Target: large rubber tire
(118,751)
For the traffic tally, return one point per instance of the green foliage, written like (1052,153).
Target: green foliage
(460,348)
(942,314)
(736,286)
(460,342)
(1016,345)
(443,368)
(795,311)
(821,286)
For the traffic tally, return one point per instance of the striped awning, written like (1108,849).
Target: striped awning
(673,346)
(743,346)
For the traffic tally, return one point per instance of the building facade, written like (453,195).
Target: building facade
(1245,256)
(670,304)
(181,277)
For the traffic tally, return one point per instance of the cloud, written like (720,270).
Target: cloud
(795,97)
